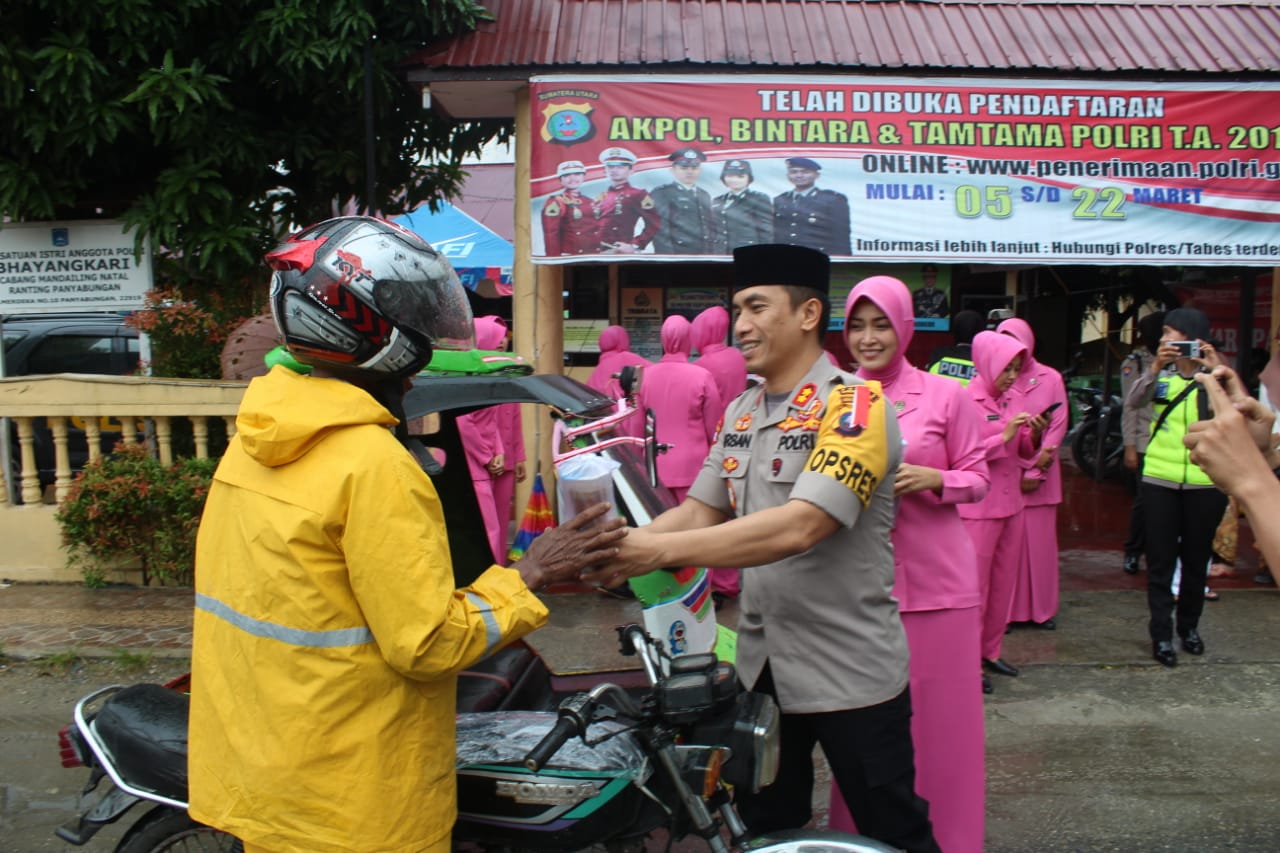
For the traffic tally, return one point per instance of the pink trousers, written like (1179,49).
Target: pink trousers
(997,543)
(1035,594)
(946,728)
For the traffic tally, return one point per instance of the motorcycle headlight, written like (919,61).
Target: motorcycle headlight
(755,741)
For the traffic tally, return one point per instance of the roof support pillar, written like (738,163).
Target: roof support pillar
(537,312)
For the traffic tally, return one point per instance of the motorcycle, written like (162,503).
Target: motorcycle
(606,768)
(1098,419)
(667,759)
(1096,415)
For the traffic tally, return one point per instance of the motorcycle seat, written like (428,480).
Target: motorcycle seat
(144,728)
(512,677)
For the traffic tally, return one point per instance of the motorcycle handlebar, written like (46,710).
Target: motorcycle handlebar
(566,727)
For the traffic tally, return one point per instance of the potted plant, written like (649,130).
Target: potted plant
(128,506)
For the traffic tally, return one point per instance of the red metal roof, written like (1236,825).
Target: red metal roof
(1106,36)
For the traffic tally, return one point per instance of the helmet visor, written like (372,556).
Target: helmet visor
(433,306)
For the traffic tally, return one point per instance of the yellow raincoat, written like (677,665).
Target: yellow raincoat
(328,633)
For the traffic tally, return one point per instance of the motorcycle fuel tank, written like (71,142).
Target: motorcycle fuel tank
(585,794)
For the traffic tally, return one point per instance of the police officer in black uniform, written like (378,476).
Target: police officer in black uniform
(743,216)
(809,216)
(685,208)
(927,299)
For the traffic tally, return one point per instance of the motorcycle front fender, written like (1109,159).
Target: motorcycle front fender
(108,809)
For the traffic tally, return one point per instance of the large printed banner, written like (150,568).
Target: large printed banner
(884,169)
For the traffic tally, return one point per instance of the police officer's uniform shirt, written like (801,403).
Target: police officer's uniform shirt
(1135,421)
(825,619)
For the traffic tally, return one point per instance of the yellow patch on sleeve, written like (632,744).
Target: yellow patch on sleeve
(852,447)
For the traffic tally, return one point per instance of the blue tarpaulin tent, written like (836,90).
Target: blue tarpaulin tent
(477,253)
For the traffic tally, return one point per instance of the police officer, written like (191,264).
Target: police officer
(621,207)
(684,208)
(798,490)
(1135,428)
(743,216)
(808,216)
(956,361)
(927,300)
(569,225)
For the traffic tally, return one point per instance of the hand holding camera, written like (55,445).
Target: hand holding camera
(1198,351)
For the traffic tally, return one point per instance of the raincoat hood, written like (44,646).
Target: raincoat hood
(710,328)
(675,336)
(992,353)
(893,298)
(614,339)
(285,414)
(490,332)
(1020,331)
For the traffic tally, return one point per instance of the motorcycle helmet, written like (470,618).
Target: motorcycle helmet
(366,299)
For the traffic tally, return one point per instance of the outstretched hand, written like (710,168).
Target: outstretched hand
(1233,447)
(562,553)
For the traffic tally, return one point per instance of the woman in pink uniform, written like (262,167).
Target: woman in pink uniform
(1035,595)
(1012,438)
(935,574)
(615,354)
(685,403)
(494,443)
(729,369)
(727,366)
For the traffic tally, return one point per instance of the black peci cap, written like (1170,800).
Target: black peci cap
(781,264)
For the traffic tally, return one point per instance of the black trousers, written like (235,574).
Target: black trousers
(1136,543)
(872,760)
(1180,525)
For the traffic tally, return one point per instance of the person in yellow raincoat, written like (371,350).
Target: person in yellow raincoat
(328,632)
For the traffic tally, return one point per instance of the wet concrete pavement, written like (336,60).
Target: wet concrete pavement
(1093,747)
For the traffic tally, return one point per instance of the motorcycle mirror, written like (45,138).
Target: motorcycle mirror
(629,378)
(651,447)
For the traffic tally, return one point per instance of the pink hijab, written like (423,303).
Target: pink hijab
(709,330)
(992,353)
(490,332)
(615,354)
(893,298)
(675,338)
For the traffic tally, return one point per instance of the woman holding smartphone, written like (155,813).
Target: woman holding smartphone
(1181,505)
(1040,389)
(935,573)
(1011,438)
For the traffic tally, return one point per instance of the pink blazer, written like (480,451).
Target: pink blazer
(687,406)
(992,352)
(933,554)
(1038,387)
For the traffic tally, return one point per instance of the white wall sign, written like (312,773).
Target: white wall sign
(59,267)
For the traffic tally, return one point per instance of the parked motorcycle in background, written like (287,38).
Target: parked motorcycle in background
(1097,442)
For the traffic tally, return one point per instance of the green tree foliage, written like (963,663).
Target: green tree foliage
(215,126)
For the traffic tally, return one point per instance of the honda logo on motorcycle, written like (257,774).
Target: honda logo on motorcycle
(546,793)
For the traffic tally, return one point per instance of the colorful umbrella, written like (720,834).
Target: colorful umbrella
(537,518)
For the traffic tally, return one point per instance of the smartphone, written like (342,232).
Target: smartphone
(1187,349)
(1050,410)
